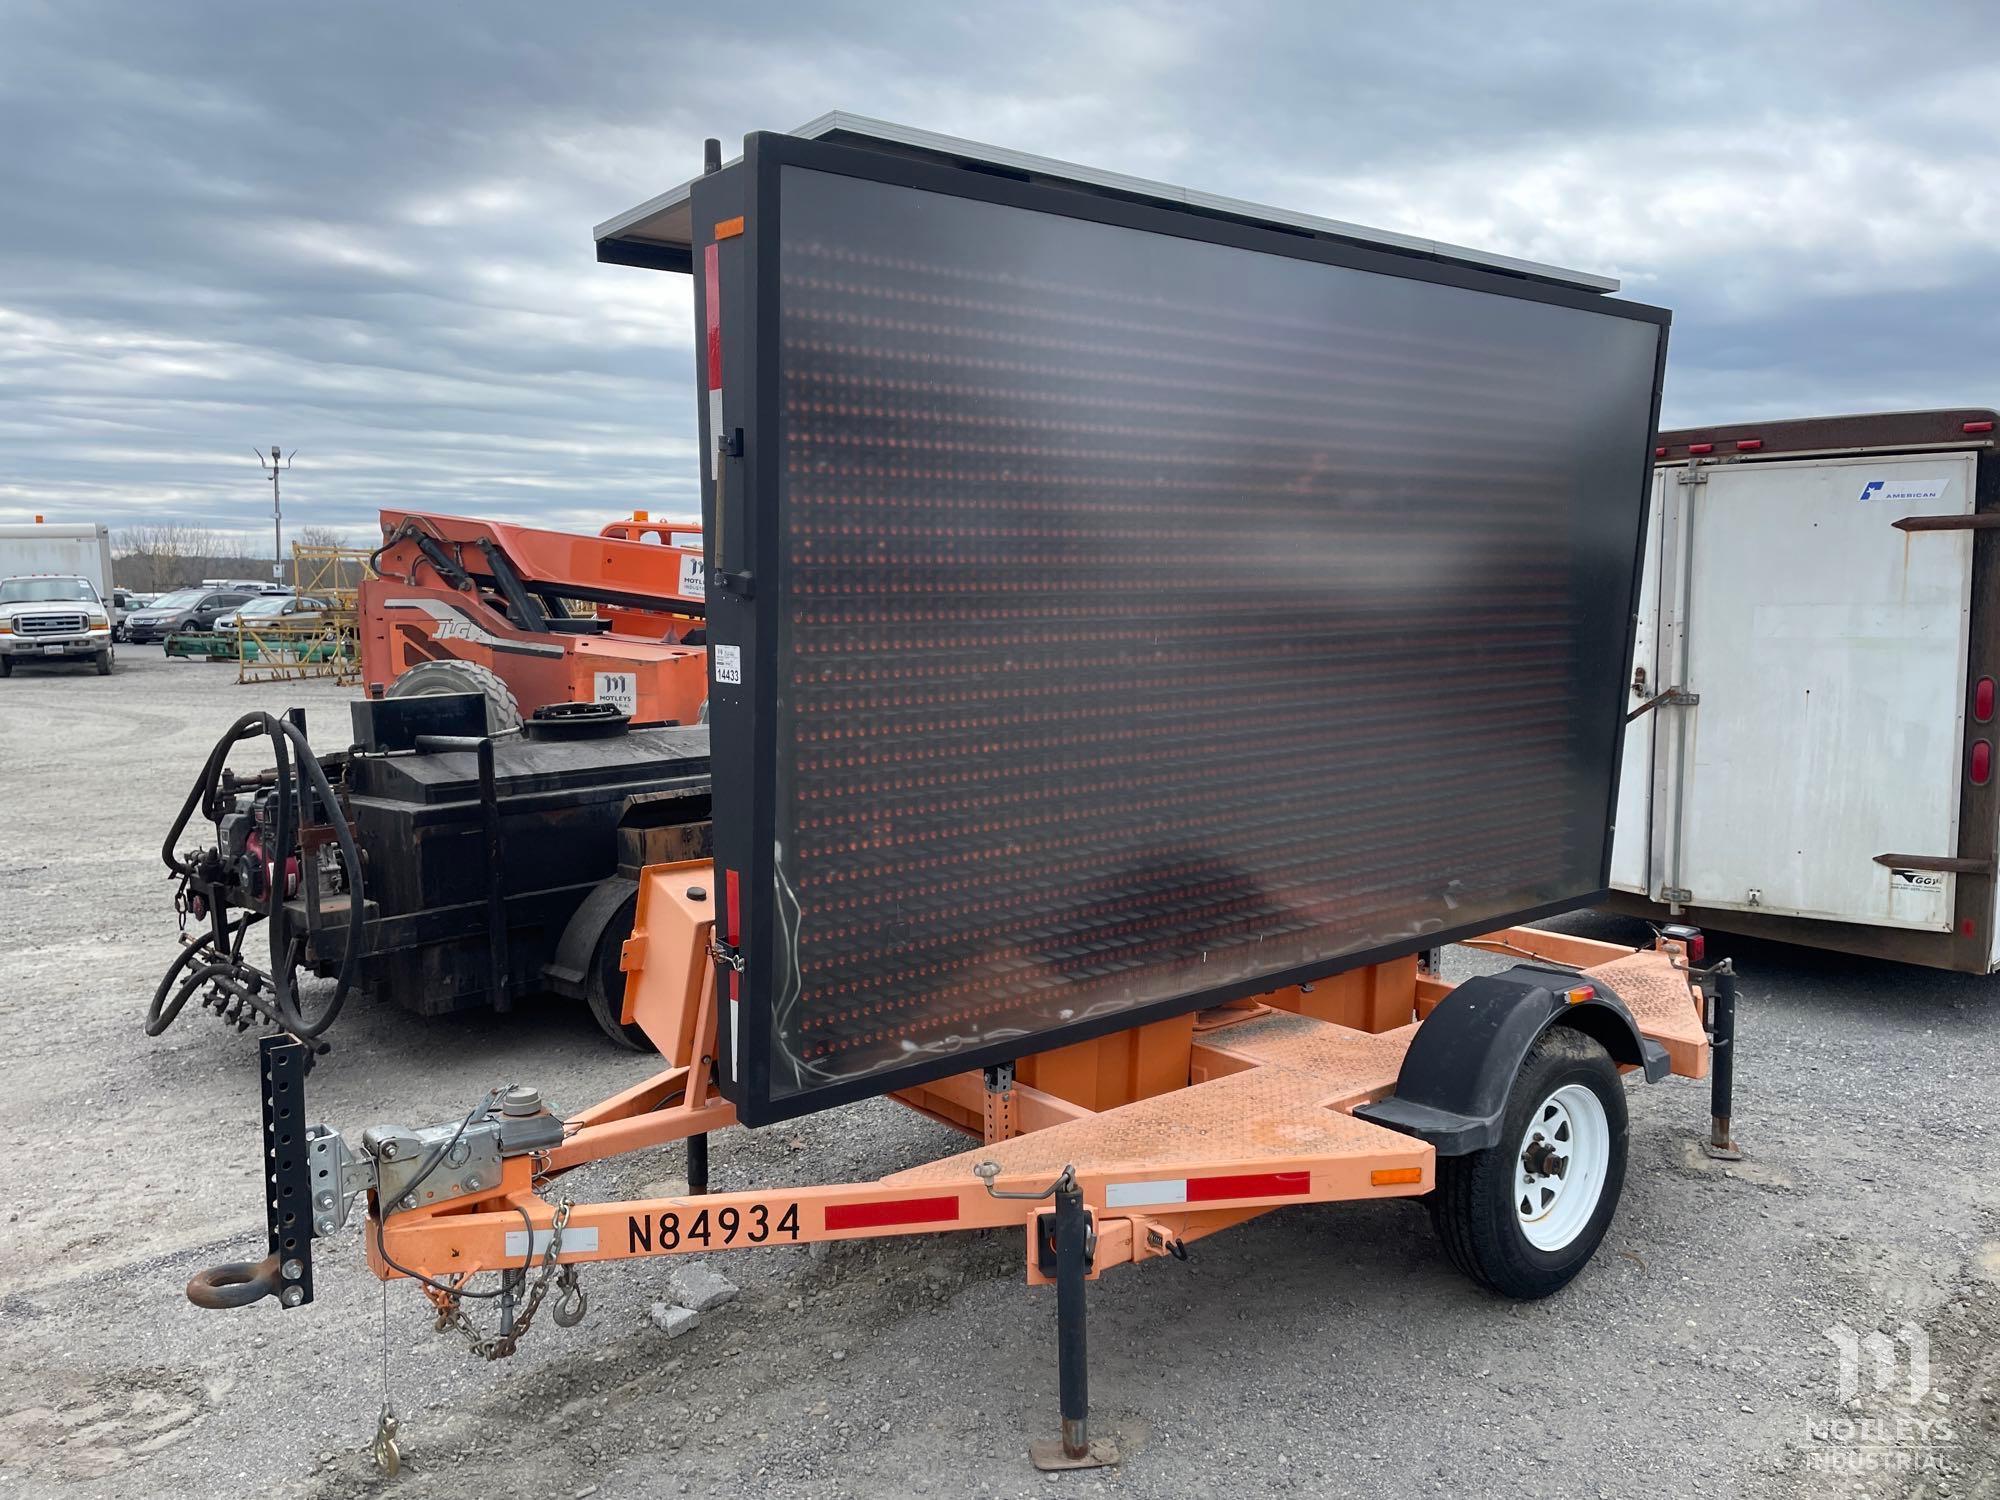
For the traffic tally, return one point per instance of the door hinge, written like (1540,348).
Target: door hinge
(1692,474)
(1679,895)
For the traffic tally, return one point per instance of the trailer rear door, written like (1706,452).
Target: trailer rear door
(1631,845)
(1828,650)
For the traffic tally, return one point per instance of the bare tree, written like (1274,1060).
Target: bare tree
(172,554)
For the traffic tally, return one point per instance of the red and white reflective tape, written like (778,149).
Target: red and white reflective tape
(1173,1191)
(711,267)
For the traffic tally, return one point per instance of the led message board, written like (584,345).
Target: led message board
(1117,609)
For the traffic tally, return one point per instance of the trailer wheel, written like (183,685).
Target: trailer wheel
(431,679)
(1522,1217)
(604,988)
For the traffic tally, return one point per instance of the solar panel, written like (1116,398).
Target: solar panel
(1131,611)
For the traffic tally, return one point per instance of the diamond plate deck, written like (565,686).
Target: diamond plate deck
(1281,1108)
(1655,990)
(1285,1083)
(1350,1066)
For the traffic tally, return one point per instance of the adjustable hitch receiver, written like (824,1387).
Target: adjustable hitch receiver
(312,1179)
(285,1273)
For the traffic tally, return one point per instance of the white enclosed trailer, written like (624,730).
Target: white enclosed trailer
(75,549)
(1817,644)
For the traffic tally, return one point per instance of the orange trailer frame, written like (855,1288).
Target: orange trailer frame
(1104,1153)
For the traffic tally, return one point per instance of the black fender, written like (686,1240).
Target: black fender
(1453,1087)
(569,971)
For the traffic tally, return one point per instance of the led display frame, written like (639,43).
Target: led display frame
(1115,609)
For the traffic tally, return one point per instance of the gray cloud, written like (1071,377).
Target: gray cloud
(363,230)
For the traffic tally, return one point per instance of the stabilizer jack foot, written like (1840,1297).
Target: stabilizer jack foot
(1051,1457)
(1720,1145)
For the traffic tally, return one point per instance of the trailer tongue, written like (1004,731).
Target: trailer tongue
(1142,630)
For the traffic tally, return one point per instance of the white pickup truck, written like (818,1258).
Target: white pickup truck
(53,617)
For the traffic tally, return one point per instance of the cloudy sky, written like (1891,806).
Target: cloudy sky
(363,230)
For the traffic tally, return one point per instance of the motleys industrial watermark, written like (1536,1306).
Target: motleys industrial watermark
(1894,1416)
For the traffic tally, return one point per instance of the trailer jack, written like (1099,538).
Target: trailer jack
(1067,1238)
(1719,981)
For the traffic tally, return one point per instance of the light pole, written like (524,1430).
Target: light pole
(272,469)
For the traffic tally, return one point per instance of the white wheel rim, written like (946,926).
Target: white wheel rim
(1559,1166)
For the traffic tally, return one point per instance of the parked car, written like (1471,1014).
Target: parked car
(53,616)
(123,602)
(184,609)
(267,609)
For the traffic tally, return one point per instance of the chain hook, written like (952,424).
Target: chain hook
(388,1457)
(572,1302)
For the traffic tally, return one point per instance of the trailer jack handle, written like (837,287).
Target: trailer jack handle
(1722,1063)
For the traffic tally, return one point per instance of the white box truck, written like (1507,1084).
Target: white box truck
(77,549)
(1817,645)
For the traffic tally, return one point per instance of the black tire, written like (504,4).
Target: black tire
(432,678)
(1474,1208)
(103,660)
(6,666)
(604,987)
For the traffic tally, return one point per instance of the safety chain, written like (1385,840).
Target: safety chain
(570,1303)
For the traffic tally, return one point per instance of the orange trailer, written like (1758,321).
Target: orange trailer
(1497,1099)
(971,423)
(463,605)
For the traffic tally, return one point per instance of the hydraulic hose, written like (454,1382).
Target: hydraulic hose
(288,745)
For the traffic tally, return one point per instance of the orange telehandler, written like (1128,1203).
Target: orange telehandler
(462,605)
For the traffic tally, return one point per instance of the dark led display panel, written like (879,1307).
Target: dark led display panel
(1154,619)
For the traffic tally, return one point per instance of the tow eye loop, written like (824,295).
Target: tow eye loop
(237,1283)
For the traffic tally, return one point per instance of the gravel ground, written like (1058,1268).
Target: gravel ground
(1320,1351)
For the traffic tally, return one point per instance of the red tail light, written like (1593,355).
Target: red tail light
(1982,762)
(1690,938)
(1982,700)
(1748,445)
(1701,447)
(1969,427)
